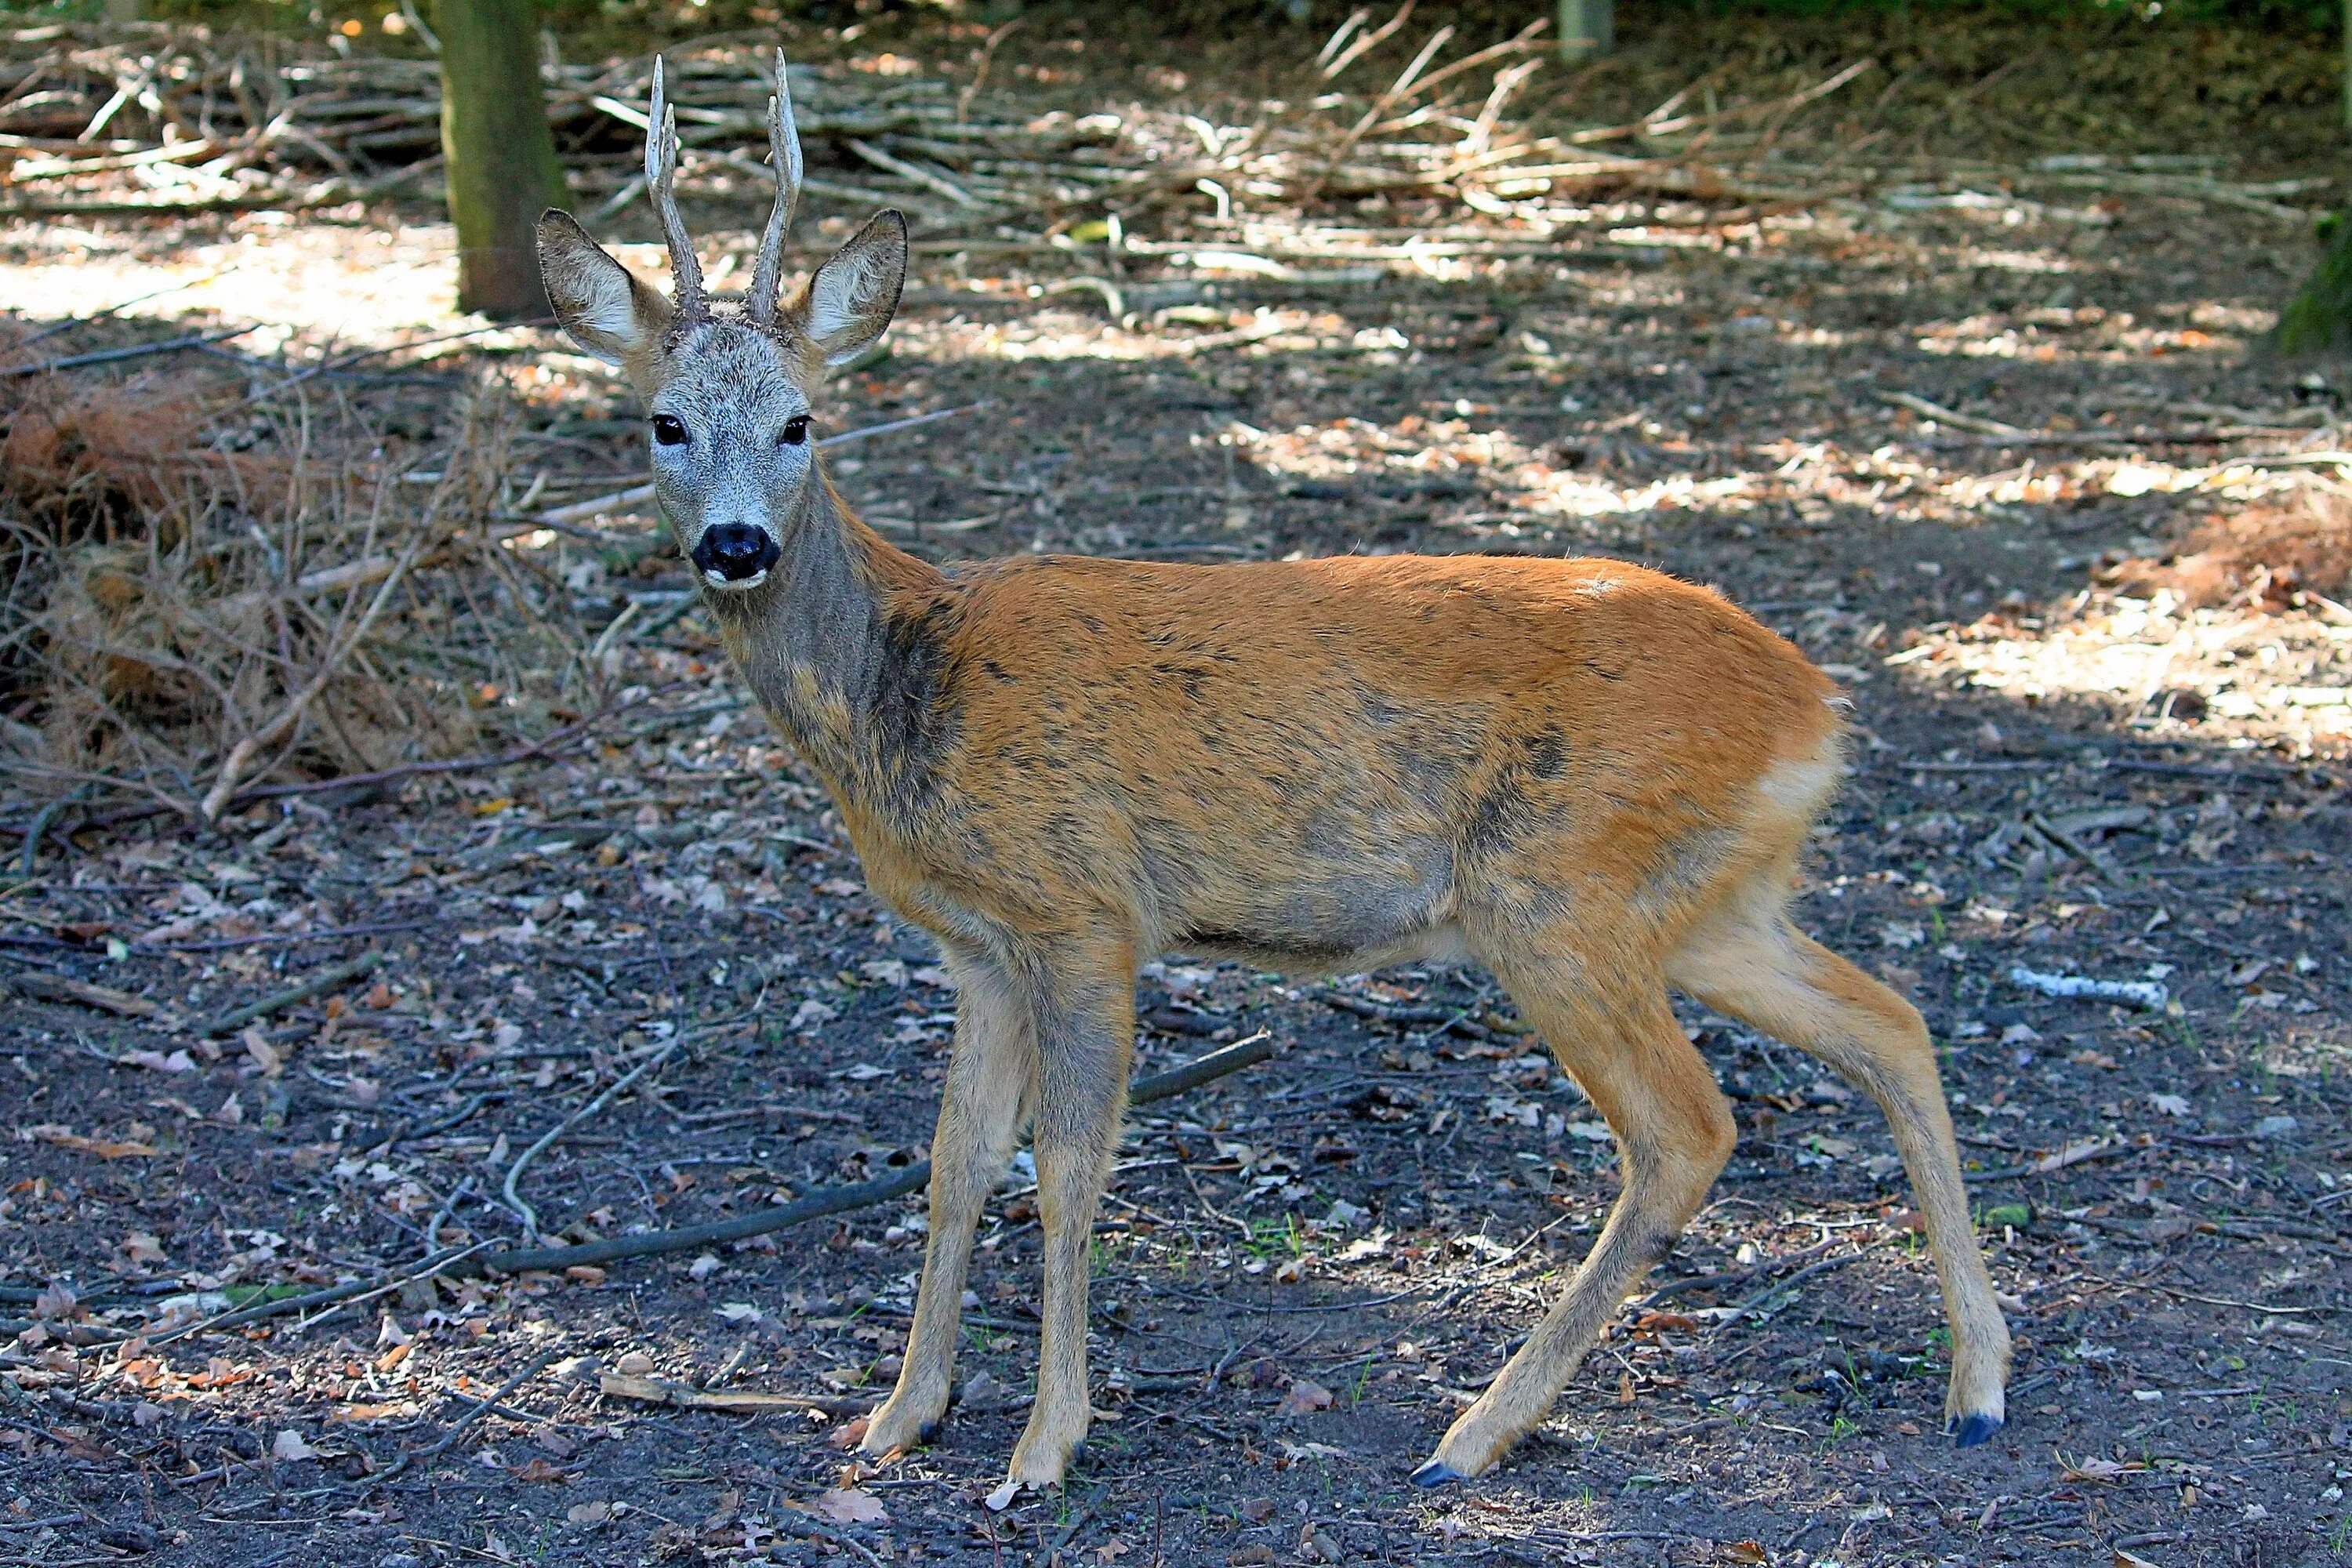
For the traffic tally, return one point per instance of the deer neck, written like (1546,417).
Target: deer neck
(845,645)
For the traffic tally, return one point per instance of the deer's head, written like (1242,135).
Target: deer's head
(727,394)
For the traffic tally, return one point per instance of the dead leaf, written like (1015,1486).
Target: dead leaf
(539,1471)
(851,1506)
(104,1148)
(1743,1551)
(290,1448)
(1002,1497)
(588,1513)
(105,998)
(81,1445)
(140,1247)
(1304,1398)
(847,1437)
(366,1413)
(55,1301)
(2091,1467)
(2131,1560)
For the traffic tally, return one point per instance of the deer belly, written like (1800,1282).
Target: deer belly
(1303,911)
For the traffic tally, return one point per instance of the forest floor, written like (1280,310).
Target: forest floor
(2094,632)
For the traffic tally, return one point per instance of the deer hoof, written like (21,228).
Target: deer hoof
(1437,1473)
(1975,1430)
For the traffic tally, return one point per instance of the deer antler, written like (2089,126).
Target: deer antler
(784,157)
(661,164)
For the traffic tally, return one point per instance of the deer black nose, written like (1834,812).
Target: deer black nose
(736,551)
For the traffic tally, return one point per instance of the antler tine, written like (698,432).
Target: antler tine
(661,165)
(784,157)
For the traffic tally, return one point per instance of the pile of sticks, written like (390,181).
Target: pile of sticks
(119,117)
(155,116)
(170,116)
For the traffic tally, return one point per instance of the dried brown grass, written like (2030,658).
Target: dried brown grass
(2264,556)
(78,459)
(203,592)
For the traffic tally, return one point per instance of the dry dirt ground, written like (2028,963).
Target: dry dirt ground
(2075,759)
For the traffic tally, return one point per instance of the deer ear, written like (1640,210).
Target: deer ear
(600,303)
(850,301)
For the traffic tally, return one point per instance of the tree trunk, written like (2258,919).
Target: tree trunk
(2318,319)
(501,157)
(1587,28)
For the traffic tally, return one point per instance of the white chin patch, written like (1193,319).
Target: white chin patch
(741,585)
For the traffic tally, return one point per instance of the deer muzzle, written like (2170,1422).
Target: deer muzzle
(736,554)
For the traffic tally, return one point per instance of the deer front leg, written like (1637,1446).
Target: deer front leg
(991,1069)
(1085,1040)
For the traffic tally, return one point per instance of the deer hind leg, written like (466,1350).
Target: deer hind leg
(989,1076)
(1753,964)
(1673,1133)
(1086,1039)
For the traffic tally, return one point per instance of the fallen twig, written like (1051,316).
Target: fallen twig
(105,998)
(463,1423)
(741,1402)
(134,351)
(324,980)
(2180,1295)
(522,1210)
(2072,1155)
(1737,1277)
(840,1200)
(1952,416)
(349,1291)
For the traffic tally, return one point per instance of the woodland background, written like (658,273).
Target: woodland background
(393,882)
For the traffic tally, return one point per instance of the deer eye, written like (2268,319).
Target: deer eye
(670,430)
(795,430)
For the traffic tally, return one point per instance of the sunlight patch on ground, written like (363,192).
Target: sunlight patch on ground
(2278,679)
(1414,449)
(302,282)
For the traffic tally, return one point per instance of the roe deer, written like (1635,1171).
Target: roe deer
(1591,778)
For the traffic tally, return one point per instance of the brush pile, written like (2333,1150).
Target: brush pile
(170,117)
(199,591)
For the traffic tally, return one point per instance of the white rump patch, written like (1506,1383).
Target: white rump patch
(1799,787)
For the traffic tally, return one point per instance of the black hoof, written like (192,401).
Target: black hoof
(1974,1430)
(928,1431)
(1437,1473)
